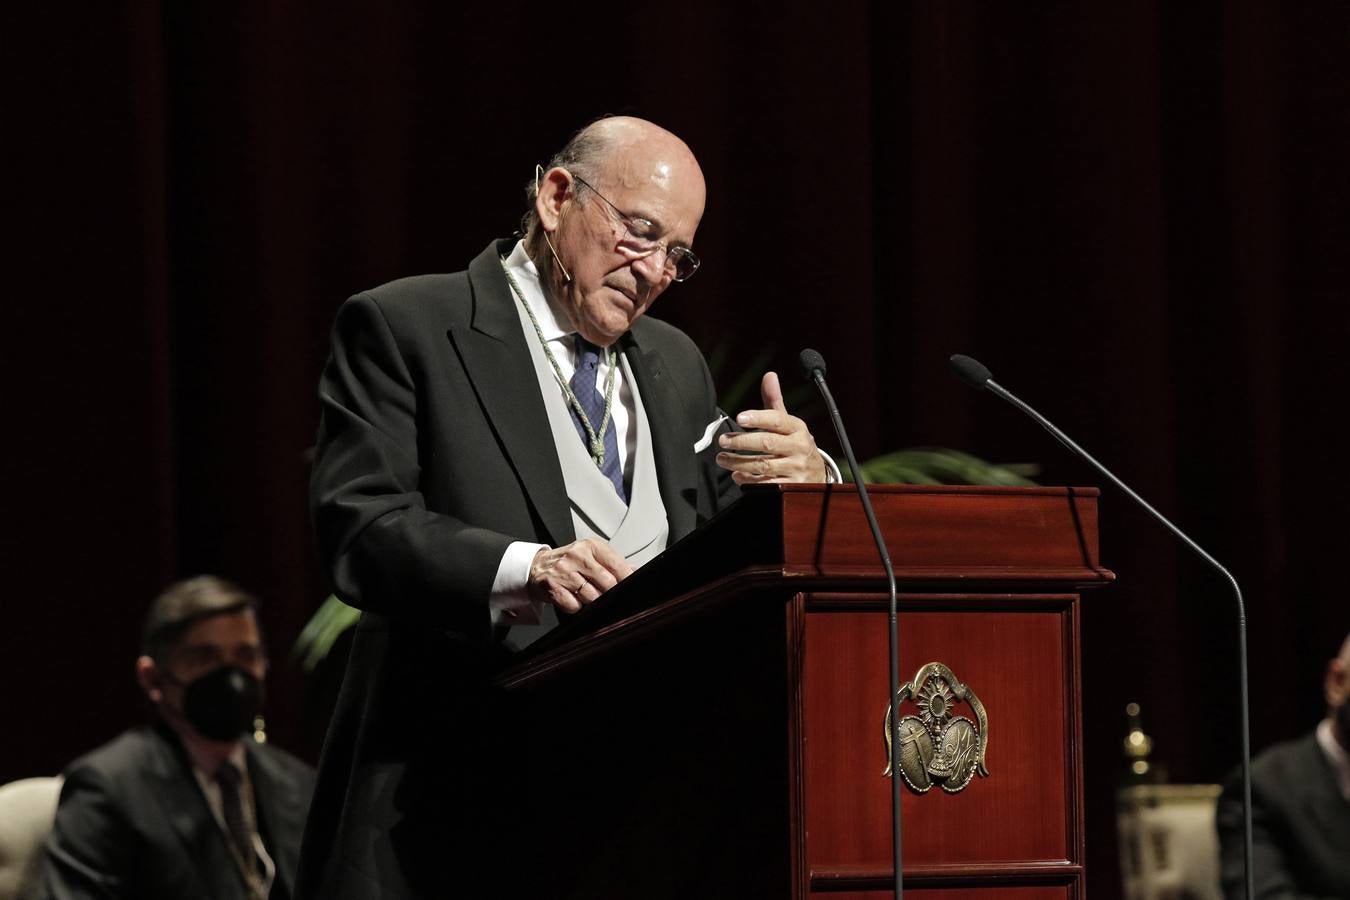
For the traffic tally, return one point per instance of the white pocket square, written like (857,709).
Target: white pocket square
(702,443)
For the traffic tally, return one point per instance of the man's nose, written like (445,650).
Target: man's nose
(652,267)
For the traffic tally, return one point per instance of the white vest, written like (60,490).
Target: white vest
(639,529)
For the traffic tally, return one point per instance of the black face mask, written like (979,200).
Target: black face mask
(222,704)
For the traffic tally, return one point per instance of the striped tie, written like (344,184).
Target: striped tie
(593,403)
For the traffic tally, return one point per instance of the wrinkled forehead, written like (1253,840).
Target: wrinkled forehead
(658,180)
(664,165)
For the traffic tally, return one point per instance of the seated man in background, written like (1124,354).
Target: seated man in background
(1300,807)
(190,806)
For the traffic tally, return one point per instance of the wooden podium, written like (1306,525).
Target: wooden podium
(715,726)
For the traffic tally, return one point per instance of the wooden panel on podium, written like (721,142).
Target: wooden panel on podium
(721,712)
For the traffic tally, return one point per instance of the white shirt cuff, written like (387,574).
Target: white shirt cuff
(510,601)
(832,473)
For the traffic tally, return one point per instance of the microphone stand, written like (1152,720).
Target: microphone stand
(979,377)
(814,365)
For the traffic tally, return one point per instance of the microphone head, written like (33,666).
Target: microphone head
(971,371)
(812,362)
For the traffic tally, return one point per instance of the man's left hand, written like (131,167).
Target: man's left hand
(781,446)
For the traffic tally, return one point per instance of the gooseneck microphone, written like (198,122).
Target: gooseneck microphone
(978,377)
(813,364)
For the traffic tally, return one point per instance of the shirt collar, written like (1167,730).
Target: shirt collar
(553,321)
(204,764)
(1336,756)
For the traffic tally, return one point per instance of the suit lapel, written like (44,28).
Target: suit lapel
(187,813)
(1322,800)
(494,353)
(676,466)
(497,361)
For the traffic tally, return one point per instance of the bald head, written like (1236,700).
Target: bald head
(622,131)
(608,215)
(619,143)
(636,153)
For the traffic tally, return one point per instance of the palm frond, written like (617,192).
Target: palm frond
(940,465)
(322,631)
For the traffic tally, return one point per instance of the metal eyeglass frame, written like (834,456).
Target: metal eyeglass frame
(675,257)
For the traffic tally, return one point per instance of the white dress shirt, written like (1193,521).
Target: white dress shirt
(510,596)
(207,782)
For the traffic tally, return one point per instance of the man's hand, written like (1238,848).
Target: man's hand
(784,448)
(572,576)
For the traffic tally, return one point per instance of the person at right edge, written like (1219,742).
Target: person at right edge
(1300,808)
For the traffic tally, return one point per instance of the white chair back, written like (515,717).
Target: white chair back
(27,810)
(1168,845)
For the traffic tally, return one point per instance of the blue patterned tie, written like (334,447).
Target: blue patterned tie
(593,402)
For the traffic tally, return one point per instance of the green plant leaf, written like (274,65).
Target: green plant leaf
(744,391)
(322,631)
(940,465)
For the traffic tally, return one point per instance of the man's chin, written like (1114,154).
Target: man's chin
(604,338)
(612,327)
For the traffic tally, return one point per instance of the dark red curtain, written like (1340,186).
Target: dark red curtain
(1135,214)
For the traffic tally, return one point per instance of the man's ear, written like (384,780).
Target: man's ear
(150,679)
(554,187)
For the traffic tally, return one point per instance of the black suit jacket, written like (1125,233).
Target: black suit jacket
(434,454)
(133,823)
(1300,826)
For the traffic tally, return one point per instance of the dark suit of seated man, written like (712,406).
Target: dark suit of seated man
(1300,808)
(188,807)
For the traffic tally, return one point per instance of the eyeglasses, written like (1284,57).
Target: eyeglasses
(680,262)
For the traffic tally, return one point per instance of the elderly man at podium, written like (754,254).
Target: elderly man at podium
(499,447)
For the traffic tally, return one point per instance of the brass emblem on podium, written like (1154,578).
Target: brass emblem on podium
(937,746)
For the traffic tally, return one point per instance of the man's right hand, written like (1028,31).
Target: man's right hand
(572,576)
